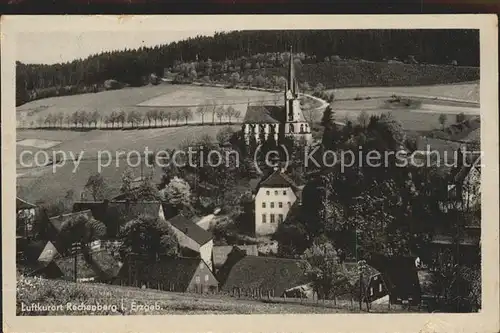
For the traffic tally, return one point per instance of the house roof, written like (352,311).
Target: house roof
(278,179)
(97,264)
(351,269)
(473,161)
(264,114)
(123,210)
(266,273)
(59,220)
(23,204)
(220,253)
(48,253)
(190,229)
(179,271)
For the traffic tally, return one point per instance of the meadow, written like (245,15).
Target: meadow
(164,97)
(54,292)
(43,183)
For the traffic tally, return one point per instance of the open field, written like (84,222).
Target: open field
(463,91)
(175,303)
(42,183)
(162,97)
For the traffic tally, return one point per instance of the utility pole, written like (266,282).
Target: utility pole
(75,248)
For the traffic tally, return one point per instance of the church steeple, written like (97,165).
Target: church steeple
(292,83)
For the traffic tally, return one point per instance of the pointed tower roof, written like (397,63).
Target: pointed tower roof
(291,73)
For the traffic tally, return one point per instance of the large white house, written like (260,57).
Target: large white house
(193,238)
(263,122)
(274,197)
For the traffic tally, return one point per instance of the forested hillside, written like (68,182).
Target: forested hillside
(240,51)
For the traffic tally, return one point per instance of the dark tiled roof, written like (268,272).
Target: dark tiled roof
(266,273)
(278,179)
(264,114)
(220,253)
(123,211)
(58,221)
(22,204)
(473,160)
(351,269)
(178,271)
(97,264)
(191,229)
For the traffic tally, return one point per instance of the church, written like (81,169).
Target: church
(263,122)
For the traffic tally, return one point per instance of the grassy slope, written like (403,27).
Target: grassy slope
(142,99)
(43,184)
(170,303)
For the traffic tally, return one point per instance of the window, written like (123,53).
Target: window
(272,218)
(371,291)
(275,192)
(380,287)
(267,192)
(280,204)
(272,204)
(280,218)
(198,279)
(263,218)
(284,192)
(264,204)
(206,277)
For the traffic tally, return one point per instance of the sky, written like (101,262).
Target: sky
(61,46)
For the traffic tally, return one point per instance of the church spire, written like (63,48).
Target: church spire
(291,73)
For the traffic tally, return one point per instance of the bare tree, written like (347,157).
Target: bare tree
(168,116)
(187,114)
(220,113)
(201,110)
(177,116)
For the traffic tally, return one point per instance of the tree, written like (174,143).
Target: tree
(94,118)
(220,113)
(161,116)
(168,116)
(224,135)
(121,117)
(325,271)
(201,110)
(113,117)
(235,78)
(97,186)
(460,118)
(187,114)
(230,112)
(177,192)
(177,115)
(148,236)
(127,178)
(442,120)
(237,114)
(212,105)
(363,119)
(81,229)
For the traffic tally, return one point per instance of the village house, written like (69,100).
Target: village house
(275,196)
(263,122)
(265,276)
(192,238)
(92,266)
(220,254)
(171,274)
(373,283)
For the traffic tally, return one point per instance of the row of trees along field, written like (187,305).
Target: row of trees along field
(244,50)
(209,114)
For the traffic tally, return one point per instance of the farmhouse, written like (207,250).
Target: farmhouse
(221,253)
(263,122)
(274,197)
(171,274)
(373,286)
(193,238)
(92,266)
(265,275)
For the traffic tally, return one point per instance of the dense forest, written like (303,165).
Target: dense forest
(238,51)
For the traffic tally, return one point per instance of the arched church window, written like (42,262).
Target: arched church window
(291,128)
(301,128)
